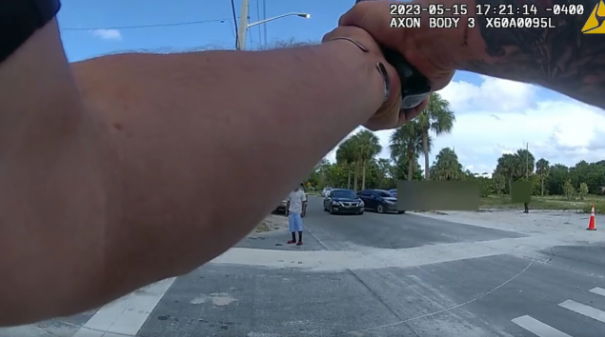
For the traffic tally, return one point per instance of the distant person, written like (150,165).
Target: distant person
(296,201)
(115,168)
(526,207)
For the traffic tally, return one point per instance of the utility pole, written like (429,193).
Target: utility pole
(527,162)
(243,26)
(526,204)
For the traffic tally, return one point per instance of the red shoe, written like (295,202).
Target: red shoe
(299,243)
(291,241)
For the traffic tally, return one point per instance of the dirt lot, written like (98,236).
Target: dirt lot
(272,222)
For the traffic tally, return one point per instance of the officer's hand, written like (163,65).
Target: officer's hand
(434,52)
(390,114)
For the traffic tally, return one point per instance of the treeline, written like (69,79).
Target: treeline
(557,179)
(357,167)
(546,179)
(383,173)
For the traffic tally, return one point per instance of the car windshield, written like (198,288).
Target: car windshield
(344,194)
(385,194)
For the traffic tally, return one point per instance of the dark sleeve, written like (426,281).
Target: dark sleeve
(19,19)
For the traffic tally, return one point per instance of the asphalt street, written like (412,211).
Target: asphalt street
(341,232)
(561,293)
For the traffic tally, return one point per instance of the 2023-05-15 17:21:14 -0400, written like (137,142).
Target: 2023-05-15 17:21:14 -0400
(403,9)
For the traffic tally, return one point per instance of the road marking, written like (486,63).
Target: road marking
(598,291)
(538,328)
(126,315)
(584,309)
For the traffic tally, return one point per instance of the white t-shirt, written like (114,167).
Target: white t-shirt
(296,199)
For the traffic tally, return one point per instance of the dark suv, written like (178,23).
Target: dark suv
(343,201)
(380,201)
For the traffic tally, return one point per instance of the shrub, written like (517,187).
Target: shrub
(583,191)
(568,190)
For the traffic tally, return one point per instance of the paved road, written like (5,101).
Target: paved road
(391,230)
(341,232)
(560,294)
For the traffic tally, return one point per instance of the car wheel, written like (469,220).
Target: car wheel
(400,212)
(380,209)
(360,213)
(331,210)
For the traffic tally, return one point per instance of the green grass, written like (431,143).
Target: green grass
(547,202)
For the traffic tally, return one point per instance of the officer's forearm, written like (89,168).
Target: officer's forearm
(210,142)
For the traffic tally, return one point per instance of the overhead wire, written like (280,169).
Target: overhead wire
(156,25)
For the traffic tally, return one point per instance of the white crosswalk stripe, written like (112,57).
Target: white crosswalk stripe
(584,309)
(598,291)
(544,330)
(538,328)
(126,315)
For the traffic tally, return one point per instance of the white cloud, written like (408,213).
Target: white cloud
(493,94)
(562,131)
(107,34)
(498,116)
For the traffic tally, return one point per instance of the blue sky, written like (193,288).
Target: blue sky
(493,116)
(109,13)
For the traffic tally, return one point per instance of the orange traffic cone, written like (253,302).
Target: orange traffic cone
(592,225)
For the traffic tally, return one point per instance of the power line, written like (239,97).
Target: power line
(185,23)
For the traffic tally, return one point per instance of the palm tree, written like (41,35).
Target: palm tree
(525,163)
(385,169)
(366,147)
(542,169)
(345,155)
(515,166)
(355,160)
(506,168)
(407,142)
(447,166)
(437,117)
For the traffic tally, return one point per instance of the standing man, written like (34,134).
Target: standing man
(296,199)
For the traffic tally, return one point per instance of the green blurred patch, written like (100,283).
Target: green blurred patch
(521,191)
(437,195)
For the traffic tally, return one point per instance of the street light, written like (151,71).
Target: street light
(302,15)
(244,25)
